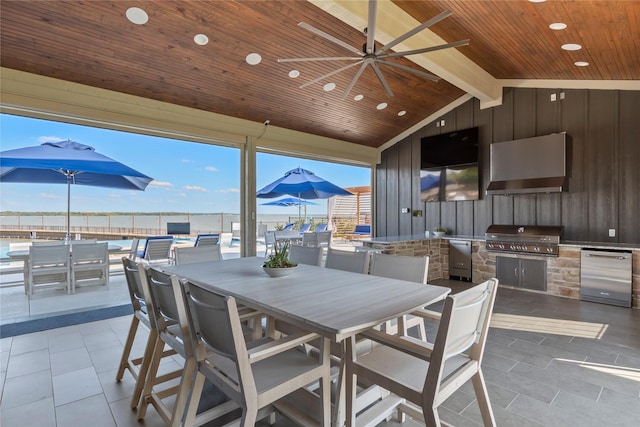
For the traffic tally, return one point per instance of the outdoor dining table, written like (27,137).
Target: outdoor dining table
(333,303)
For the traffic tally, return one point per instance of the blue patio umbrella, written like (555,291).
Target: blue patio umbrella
(288,201)
(302,184)
(68,162)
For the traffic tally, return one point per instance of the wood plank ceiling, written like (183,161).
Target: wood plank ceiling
(92,43)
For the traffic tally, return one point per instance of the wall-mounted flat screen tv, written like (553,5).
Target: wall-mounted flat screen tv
(178,228)
(450,167)
(451,148)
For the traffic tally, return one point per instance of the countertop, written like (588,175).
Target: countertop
(386,240)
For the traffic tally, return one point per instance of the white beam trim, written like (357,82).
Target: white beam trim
(573,84)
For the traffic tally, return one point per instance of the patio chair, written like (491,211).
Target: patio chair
(48,266)
(304,227)
(207,239)
(254,377)
(410,268)
(421,376)
(310,239)
(357,262)
(320,227)
(323,238)
(193,254)
(288,227)
(156,248)
(269,242)
(305,255)
(133,250)
(89,265)
(138,366)
(165,310)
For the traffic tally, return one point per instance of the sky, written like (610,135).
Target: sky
(187,177)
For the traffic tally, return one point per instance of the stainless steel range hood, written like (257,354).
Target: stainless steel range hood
(532,165)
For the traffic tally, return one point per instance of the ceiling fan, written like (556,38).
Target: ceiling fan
(369,56)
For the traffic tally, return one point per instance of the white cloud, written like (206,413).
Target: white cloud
(195,188)
(182,194)
(160,184)
(211,169)
(228,190)
(187,161)
(49,196)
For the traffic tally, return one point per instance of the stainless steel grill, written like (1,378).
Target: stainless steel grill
(534,239)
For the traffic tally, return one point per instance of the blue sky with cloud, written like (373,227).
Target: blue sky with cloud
(188,177)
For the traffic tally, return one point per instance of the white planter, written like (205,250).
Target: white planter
(278,272)
(439,233)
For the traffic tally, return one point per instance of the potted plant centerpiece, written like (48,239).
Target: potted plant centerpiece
(439,231)
(278,264)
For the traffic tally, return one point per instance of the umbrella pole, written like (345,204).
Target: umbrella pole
(68,236)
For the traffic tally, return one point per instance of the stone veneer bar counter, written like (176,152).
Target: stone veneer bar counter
(563,271)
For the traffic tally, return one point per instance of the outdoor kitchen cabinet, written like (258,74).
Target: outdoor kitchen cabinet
(522,273)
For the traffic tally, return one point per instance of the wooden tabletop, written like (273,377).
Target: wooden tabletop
(333,303)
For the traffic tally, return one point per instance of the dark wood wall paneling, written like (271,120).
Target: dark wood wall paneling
(603,176)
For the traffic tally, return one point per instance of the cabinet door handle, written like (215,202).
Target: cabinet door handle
(515,271)
(524,276)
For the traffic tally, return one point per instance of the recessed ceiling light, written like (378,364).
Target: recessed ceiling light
(558,26)
(253,59)
(402,113)
(358,97)
(581,64)
(571,46)
(537,1)
(294,73)
(382,106)
(329,87)
(137,15)
(201,39)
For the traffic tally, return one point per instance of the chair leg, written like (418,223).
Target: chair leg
(482,396)
(149,379)
(351,386)
(194,400)
(144,368)
(180,406)
(124,360)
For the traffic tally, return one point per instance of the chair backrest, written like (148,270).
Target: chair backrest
(357,262)
(207,239)
(305,227)
(134,284)
(157,248)
(163,300)
(462,333)
(261,229)
(269,237)
(193,254)
(90,254)
(215,327)
(49,255)
(309,239)
(323,238)
(412,269)
(320,227)
(133,250)
(305,255)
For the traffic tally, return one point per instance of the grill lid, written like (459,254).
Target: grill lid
(520,233)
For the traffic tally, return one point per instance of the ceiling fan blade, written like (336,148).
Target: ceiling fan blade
(409,70)
(327,58)
(339,70)
(416,30)
(383,82)
(354,80)
(371,27)
(330,38)
(426,49)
